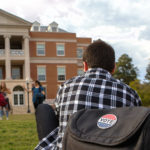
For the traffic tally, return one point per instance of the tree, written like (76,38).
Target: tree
(138,87)
(143,91)
(125,70)
(147,76)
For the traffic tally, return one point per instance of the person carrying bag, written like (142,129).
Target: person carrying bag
(38,94)
(4,101)
(40,97)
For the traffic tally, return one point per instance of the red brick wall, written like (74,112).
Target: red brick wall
(51,76)
(84,40)
(50,49)
(53,35)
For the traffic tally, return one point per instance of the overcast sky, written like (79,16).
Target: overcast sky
(125,24)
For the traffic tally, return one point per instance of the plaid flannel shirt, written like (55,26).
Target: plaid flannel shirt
(96,89)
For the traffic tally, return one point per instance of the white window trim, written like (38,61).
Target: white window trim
(82,52)
(80,47)
(19,92)
(56,48)
(44,49)
(41,66)
(65,73)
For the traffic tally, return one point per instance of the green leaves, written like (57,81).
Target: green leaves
(143,90)
(125,70)
(147,76)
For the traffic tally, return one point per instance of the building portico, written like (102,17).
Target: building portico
(15,58)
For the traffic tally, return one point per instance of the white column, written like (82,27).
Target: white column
(27,57)
(7,61)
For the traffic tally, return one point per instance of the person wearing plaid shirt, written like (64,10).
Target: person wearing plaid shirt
(95,89)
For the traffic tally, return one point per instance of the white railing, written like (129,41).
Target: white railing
(2,52)
(17,52)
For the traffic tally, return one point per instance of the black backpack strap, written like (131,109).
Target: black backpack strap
(40,90)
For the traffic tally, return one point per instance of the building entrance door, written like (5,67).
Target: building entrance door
(18,96)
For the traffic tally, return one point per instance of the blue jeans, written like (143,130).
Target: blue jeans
(2,112)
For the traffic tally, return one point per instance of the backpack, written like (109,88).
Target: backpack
(3,102)
(39,97)
(43,96)
(114,129)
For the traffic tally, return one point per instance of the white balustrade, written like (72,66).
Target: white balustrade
(17,52)
(2,52)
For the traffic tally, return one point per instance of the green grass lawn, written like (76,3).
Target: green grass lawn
(18,133)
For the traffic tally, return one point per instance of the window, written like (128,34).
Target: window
(36,28)
(1,73)
(40,49)
(61,73)
(15,99)
(54,29)
(41,72)
(18,95)
(16,73)
(80,72)
(79,52)
(19,98)
(60,50)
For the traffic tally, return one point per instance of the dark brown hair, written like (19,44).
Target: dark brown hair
(38,82)
(99,54)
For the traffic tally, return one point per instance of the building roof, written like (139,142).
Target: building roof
(15,19)
(8,19)
(44,29)
(54,23)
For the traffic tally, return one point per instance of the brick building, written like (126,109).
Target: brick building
(29,51)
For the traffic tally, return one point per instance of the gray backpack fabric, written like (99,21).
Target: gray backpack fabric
(114,129)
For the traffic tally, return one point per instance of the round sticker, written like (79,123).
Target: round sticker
(107,121)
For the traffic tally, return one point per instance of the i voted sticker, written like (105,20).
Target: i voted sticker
(107,121)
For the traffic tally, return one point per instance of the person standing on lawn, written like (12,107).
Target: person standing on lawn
(38,93)
(5,91)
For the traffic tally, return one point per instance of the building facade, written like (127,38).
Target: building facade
(29,52)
